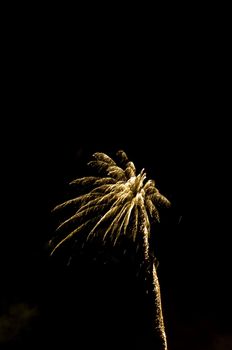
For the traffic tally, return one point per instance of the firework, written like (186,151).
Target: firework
(118,202)
(115,203)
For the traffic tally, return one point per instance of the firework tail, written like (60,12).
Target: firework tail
(153,290)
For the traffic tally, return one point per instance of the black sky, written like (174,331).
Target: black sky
(66,100)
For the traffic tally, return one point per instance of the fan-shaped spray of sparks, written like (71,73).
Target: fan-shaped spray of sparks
(117,202)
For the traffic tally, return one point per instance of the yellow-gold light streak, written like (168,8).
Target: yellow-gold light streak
(118,202)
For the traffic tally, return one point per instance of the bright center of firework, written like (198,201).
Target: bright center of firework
(135,183)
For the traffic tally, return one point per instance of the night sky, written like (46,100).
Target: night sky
(63,103)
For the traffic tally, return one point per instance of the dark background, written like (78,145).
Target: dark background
(69,93)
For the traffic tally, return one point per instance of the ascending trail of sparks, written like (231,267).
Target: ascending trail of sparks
(118,202)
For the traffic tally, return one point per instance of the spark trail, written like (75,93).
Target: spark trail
(116,203)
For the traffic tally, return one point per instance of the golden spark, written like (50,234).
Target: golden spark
(115,203)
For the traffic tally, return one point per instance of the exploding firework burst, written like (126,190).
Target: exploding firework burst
(115,204)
